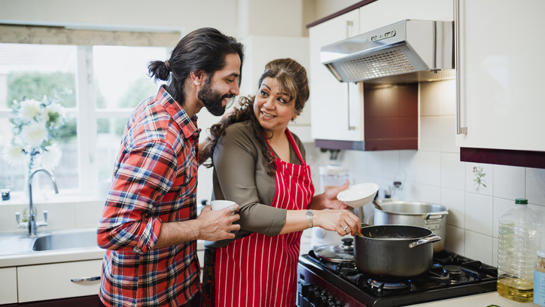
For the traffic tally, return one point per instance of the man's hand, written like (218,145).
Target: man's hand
(328,199)
(217,225)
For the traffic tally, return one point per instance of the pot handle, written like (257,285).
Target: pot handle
(435,215)
(425,240)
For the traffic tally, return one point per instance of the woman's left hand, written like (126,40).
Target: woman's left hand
(328,199)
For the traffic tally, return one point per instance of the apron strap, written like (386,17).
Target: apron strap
(293,144)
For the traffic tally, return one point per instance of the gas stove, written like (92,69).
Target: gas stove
(323,283)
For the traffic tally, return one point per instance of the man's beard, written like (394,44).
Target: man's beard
(212,99)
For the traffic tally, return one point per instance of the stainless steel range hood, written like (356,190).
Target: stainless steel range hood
(403,52)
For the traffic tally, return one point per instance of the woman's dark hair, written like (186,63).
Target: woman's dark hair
(203,49)
(293,80)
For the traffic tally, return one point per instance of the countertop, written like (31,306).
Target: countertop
(58,255)
(477,300)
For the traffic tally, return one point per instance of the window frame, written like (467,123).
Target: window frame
(87,114)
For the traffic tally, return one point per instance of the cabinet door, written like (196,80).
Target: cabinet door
(8,286)
(58,280)
(384,12)
(501,77)
(336,108)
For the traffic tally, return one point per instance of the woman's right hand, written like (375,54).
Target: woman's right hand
(341,221)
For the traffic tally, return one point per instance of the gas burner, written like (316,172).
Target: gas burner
(453,270)
(380,286)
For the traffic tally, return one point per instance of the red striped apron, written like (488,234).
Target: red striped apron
(259,270)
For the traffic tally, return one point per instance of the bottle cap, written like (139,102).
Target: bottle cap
(521,201)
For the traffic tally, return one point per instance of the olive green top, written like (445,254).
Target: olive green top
(240,175)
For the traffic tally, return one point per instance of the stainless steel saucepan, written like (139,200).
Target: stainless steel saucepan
(413,213)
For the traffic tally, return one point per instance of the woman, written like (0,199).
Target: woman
(259,164)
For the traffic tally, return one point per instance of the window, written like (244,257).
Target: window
(98,86)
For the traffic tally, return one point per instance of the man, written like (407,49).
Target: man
(149,225)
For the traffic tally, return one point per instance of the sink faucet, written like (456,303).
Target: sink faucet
(31,224)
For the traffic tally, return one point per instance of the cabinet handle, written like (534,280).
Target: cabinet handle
(350,127)
(349,24)
(458,66)
(84,279)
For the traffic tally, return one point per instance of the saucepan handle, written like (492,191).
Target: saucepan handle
(435,215)
(425,240)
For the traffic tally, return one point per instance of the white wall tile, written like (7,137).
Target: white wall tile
(382,164)
(438,98)
(448,135)
(488,179)
(455,239)
(422,167)
(478,246)
(495,252)
(535,185)
(500,207)
(430,133)
(478,213)
(509,182)
(452,171)
(454,200)
(422,192)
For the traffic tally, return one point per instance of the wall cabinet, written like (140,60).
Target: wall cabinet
(384,12)
(500,82)
(336,108)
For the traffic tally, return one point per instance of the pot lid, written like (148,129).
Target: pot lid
(336,253)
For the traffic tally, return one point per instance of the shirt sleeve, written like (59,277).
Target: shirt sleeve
(235,157)
(144,174)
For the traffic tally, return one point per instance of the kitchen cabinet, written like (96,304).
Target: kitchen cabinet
(336,108)
(8,285)
(500,64)
(383,12)
(341,115)
(58,280)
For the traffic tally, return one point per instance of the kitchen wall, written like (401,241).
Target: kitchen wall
(434,173)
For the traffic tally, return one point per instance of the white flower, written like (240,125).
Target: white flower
(14,154)
(53,113)
(29,109)
(51,156)
(34,134)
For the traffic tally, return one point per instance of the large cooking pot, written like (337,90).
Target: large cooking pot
(427,215)
(394,250)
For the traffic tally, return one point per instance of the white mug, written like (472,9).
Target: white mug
(221,204)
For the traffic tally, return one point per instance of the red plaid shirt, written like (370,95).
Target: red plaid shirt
(155,181)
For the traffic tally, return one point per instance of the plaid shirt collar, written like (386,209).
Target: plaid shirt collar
(187,125)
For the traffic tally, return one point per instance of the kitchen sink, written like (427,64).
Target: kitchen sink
(66,239)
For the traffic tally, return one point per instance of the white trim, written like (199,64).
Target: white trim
(86,121)
(27,34)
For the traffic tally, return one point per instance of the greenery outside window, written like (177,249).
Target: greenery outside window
(98,85)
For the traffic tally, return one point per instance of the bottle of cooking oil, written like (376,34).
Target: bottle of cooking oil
(539,279)
(517,248)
